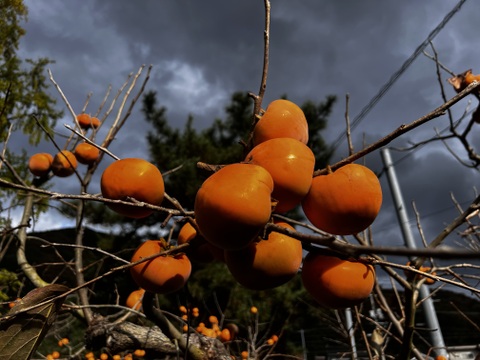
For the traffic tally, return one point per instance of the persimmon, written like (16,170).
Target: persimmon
(282,118)
(163,274)
(86,121)
(233,205)
(132,178)
(344,202)
(291,164)
(40,164)
(64,163)
(134,300)
(200,250)
(225,335)
(336,283)
(266,264)
(86,153)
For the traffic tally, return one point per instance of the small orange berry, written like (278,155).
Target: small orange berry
(185,328)
(253,310)
(128,357)
(270,342)
(55,354)
(244,355)
(213,319)
(116,357)
(49,357)
(103,356)
(274,338)
(183,309)
(89,355)
(139,353)
(185,317)
(225,335)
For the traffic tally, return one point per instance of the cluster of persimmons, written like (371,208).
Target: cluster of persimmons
(65,162)
(235,203)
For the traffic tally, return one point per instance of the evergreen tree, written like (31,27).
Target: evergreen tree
(23,85)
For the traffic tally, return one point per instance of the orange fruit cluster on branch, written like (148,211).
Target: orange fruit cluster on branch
(234,204)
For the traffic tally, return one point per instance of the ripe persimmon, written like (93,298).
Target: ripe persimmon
(344,202)
(134,300)
(266,264)
(40,164)
(163,274)
(291,164)
(200,250)
(86,153)
(64,163)
(86,121)
(282,118)
(233,205)
(132,178)
(336,283)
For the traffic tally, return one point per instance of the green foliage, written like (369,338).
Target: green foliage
(9,285)
(23,89)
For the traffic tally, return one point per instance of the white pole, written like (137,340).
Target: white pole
(430,313)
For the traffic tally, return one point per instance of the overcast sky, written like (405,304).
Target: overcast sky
(203,51)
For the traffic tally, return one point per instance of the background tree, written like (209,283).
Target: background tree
(23,86)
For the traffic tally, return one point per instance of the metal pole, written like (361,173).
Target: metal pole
(304,345)
(351,333)
(430,313)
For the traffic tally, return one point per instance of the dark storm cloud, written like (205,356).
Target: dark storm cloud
(202,52)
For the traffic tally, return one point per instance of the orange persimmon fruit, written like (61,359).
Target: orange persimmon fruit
(282,118)
(200,250)
(266,264)
(291,164)
(134,300)
(86,153)
(132,178)
(40,164)
(336,283)
(64,163)
(163,274)
(233,205)
(344,202)
(86,121)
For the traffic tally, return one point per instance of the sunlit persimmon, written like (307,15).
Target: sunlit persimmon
(132,178)
(134,300)
(64,163)
(291,164)
(233,205)
(163,274)
(40,164)
(344,202)
(200,250)
(336,283)
(86,121)
(282,118)
(266,264)
(86,153)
